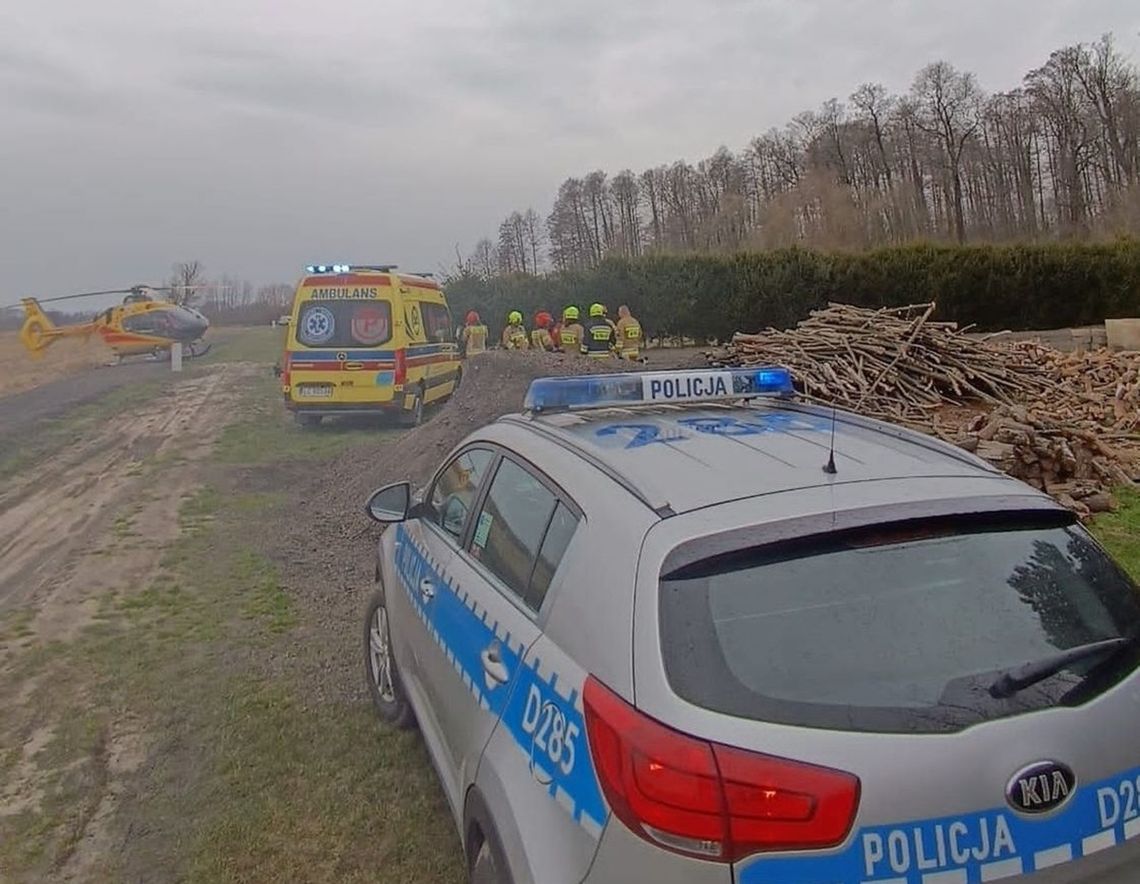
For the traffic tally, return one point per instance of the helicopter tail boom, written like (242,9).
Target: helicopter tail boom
(39,332)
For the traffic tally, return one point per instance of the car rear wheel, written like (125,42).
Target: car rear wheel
(380,667)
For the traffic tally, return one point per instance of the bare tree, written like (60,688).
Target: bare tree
(950,103)
(188,276)
(1061,154)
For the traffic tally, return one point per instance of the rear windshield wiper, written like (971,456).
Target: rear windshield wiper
(1018,678)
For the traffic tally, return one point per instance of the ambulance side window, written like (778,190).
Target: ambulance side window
(437,322)
(455,490)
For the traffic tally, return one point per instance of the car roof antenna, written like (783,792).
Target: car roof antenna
(829,467)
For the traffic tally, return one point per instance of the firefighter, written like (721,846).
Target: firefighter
(514,335)
(474,338)
(570,332)
(598,340)
(629,335)
(540,338)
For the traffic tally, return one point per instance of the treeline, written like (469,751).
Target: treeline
(711,296)
(1057,157)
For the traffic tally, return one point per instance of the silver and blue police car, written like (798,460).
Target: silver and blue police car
(678,627)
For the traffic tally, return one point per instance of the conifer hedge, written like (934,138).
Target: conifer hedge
(1014,287)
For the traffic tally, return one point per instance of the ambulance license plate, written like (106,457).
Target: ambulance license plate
(315,391)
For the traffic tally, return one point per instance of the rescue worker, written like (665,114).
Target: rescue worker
(540,338)
(514,335)
(598,340)
(474,337)
(629,335)
(570,332)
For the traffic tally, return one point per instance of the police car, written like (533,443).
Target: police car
(678,627)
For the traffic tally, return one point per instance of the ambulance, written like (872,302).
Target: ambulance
(365,339)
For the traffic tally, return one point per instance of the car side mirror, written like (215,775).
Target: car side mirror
(277,371)
(390,504)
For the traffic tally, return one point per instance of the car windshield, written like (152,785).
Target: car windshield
(898,629)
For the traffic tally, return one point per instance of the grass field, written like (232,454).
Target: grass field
(20,370)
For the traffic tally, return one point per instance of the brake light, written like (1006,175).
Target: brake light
(285,370)
(707,800)
(401,366)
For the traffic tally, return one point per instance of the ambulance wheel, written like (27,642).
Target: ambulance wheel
(414,416)
(308,420)
(384,685)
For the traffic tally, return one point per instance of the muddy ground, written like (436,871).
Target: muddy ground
(182,573)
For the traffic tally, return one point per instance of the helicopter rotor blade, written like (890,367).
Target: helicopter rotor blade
(83,295)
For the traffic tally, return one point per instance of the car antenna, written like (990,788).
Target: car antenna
(829,467)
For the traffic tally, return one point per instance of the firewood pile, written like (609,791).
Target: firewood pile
(1068,423)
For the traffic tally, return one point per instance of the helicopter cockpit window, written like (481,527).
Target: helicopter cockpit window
(345,323)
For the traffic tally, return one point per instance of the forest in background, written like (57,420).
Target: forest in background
(1056,158)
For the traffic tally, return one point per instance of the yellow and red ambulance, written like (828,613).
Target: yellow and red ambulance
(367,339)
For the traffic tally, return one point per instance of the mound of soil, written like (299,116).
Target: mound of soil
(327,559)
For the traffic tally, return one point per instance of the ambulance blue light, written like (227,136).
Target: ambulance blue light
(657,387)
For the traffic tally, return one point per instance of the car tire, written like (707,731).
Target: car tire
(308,420)
(384,686)
(487,867)
(414,416)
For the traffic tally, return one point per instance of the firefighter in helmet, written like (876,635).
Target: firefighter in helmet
(570,332)
(599,338)
(474,337)
(514,335)
(540,338)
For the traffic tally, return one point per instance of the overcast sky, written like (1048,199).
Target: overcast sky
(261,135)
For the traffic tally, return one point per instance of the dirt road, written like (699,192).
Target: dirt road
(57,517)
(21,412)
(89,522)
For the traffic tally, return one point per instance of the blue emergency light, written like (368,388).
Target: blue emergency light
(657,387)
(349,268)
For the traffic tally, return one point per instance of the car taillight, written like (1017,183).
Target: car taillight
(708,800)
(401,366)
(285,372)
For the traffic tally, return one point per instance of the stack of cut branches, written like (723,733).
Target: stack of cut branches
(1068,423)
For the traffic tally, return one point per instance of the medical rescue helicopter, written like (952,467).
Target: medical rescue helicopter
(141,325)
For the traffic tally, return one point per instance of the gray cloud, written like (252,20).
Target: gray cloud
(259,136)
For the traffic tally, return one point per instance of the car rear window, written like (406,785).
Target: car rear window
(345,323)
(899,628)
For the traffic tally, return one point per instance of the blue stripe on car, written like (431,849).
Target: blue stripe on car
(462,630)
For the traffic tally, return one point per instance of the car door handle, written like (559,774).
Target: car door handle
(427,589)
(494,670)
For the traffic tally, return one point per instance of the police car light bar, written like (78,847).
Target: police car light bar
(652,387)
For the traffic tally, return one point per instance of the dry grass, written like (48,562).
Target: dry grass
(20,370)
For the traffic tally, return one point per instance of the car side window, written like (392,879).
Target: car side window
(563,524)
(521,530)
(455,490)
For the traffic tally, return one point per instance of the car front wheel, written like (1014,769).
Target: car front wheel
(380,667)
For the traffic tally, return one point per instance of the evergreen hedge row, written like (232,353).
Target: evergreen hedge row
(1014,287)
